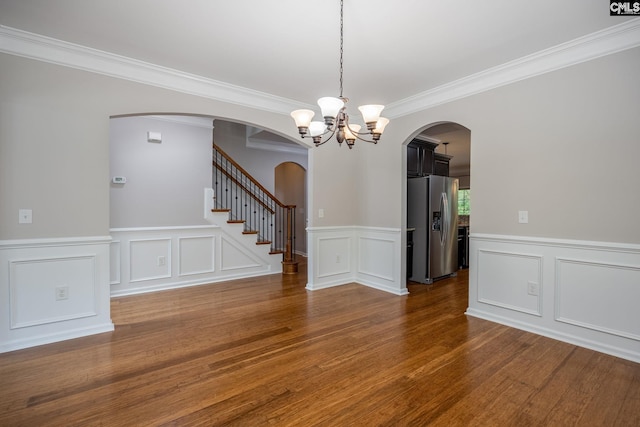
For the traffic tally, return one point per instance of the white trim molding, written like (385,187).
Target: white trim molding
(587,292)
(370,256)
(592,46)
(53,290)
(34,46)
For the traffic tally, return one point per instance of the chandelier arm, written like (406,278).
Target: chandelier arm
(365,140)
(331,132)
(357,134)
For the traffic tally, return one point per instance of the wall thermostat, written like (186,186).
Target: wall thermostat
(119,180)
(154,136)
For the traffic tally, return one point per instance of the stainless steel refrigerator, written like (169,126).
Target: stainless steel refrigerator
(432,211)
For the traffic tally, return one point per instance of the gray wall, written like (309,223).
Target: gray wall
(165,181)
(54,142)
(563,145)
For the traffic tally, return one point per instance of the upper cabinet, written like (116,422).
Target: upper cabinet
(441,164)
(423,160)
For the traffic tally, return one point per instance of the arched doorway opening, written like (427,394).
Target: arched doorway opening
(167,226)
(291,189)
(442,149)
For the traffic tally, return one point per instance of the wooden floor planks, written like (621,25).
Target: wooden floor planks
(264,351)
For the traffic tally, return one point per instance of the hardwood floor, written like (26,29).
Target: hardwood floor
(265,351)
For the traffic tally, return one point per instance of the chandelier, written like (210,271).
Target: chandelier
(336,119)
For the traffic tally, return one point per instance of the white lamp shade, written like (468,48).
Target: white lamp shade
(316,128)
(348,134)
(302,117)
(380,125)
(330,106)
(371,113)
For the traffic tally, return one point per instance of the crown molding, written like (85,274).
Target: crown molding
(592,46)
(187,120)
(42,48)
(33,46)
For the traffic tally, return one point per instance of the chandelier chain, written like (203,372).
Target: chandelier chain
(341,44)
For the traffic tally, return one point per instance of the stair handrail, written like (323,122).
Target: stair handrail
(249,176)
(289,262)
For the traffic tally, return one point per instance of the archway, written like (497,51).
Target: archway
(445,151)
(290,188)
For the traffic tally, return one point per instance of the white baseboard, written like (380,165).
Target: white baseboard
(64,335)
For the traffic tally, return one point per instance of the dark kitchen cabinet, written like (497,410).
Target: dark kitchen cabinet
(422,159)
(441,164)
(413,160)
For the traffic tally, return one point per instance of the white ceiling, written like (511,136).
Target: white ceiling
(290,48)
(393,50)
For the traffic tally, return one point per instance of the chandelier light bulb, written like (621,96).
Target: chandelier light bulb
(302,118)
(371,113)
(316,128)
(350,131)
(330,106)
(380,125)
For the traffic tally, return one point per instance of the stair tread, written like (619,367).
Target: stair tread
(250,232)
(220,210)
(263,242)
(236,221)
(276,252)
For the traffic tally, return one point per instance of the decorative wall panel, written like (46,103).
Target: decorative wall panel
(149,259)
(503,280)
(197,255)
(35,286)
(599,296)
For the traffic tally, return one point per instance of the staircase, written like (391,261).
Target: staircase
(247,202)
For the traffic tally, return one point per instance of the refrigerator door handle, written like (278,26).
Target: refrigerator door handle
(444,228)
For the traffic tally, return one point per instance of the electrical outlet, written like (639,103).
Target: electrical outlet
(162,261)
(25,216)
(533,289)
(62,293)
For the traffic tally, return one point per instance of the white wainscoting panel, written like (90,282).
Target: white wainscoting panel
(145,255)
(53,289)
(334,256)
(373,255)
(330,256)
(34,301)
(380,258)
(587,297)
(503,280)
(588,291)
(193,255)
(235,258)
(114,267)
(197,254)
(366,255)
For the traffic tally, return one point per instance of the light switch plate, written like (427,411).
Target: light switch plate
(523,217)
